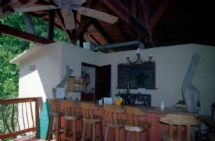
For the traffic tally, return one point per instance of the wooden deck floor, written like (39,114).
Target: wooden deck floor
(28,138)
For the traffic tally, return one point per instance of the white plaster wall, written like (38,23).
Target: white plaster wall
(74,56)
(171,66)
(39,82)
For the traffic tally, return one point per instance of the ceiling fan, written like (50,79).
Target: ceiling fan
(66,7)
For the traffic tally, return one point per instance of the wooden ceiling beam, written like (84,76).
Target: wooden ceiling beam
(102,31)
(145,4)
(82,28)
(95,40)
(69,34)
(158,13)
(23,35)
(124,32)
(127,18)
(91,3)
(134,8)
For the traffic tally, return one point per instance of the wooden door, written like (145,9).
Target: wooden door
(103,81)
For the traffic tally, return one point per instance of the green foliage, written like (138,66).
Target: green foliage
(10,47)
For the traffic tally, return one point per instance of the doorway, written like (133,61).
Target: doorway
(88,72)
(103,81)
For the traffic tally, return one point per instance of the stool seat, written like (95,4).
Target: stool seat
(177,124)
(57,113)
(92,121)
(134,124)
(115,126)
(141,128)
(71,117)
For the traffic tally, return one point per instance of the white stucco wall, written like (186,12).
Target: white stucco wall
(45,75)
(171,66)
(74,56)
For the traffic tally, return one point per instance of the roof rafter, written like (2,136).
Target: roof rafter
(23,35)
(102,30)
(127,18)
(158,13)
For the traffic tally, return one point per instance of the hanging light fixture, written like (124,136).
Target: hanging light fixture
(137,60)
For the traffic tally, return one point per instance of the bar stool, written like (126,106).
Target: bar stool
(90,119)
(111,121)
(55,120)
(133,123)
(182,123)
(70,115)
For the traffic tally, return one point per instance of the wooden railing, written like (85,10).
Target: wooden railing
(19,116)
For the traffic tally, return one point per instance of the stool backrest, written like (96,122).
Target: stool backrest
(180,121)
(111,112)
(69,107)
(88,110)
(55,106)
(133,114)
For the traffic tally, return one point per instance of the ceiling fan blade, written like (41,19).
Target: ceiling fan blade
(97,14)
(69,20)
(35,8)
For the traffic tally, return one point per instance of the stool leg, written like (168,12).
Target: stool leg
(74,130)
(117,134)
(94,132)
(127,136)
(57,129)
(148,136)
(106,132)
(50,128)
(83,133)
(65,129)
(138,136)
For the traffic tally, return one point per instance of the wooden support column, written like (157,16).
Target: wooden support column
(51,24)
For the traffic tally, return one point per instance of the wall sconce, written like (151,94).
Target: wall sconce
(138,59)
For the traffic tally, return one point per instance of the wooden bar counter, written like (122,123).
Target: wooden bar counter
(153,115)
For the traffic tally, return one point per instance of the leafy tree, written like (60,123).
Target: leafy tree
(10,47)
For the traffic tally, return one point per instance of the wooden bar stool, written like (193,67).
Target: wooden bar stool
(55,120)
(70,115)
(178,127)
(133,124)
(111,120)
(90,119)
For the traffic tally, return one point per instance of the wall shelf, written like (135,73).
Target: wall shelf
(76,84)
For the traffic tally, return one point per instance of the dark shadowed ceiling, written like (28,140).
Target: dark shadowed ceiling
(154,22)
